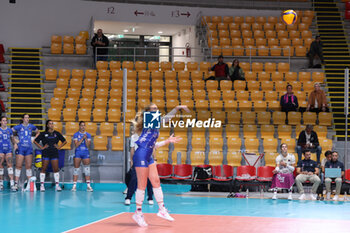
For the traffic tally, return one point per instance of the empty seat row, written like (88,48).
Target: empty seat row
(283,42)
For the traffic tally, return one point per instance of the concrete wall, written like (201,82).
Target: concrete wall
(30,23)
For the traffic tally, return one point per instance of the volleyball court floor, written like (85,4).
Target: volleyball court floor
(104,211)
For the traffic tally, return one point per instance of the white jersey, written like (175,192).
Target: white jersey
(289,160)
(133,140)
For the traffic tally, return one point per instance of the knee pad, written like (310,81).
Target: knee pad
(10,170)
(17,172)
(29,172)
(87,170)
(1,171)
(75,171)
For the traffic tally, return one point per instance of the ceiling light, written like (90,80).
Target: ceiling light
(160,32)
(125,30)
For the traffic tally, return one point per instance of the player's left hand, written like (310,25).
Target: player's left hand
(57,146)
(173,139)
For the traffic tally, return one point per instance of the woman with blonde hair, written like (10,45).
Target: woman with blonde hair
(144,163)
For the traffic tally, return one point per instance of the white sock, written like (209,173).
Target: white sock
(42,178)
(88,183)
(1,182)
(56,175)
(158,194)
(139,196)
(12,182)
(74,183)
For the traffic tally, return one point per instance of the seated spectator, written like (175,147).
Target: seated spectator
(236,72)
(221,70)
(315,51)
(283,174)
(328,157)
(289,102)
(317,100)
(307,170)
(334,163)
(308,140)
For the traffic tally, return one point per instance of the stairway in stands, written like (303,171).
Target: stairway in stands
(337,58)
(25,90)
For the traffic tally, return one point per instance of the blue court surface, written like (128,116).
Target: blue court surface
(57,212)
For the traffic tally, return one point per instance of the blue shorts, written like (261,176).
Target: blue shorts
(25,151)
(143,157)
(82,154)
(5,150)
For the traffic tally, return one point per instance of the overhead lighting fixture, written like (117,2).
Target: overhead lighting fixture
(125,30)
(133,29)
(160,32)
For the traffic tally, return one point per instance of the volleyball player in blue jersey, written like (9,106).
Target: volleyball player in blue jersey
(6,137)
(145,165)
(25,148)
(82,141)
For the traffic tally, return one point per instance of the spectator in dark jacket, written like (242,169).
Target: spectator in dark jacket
(308,140)
(236,72)
(289,102)
(100,40)
(315,51)
(221,70)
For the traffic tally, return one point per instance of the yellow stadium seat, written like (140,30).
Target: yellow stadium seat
(256,95)
(140,65)
(270,34)
(71,128)
(215,158)
(248,117)
(280,85)
(170,75)
(165,66)
(228,94)
(216,143)
(129,65)
(233,26)
(76,83)
(274,105)
(283,67)
(296,85)
(297,41)
(291,76)
(71,102)
(325,118)
(270,158)
(303,26)
(270,144)
(84,114)
(239,85)
(56,48)
(248,41)
(267,130)
(117,143)
(257,26)
(214,94)
(56,102)
(153,65)
(272,42)
(222,26)
(318,77)
(103,83)
(304,76)
(183,76)
(264,76)
(300,51)
(280,26)
(89,83)
(253,85)
(107,129)
(62,83)
(234,158)
(54,113)
(260,19)
(294,118)
(259,105)
(279,118)
(56,39)
(308,86)
(114,65)
(91,128)
(102,93)
(227,19)
(309,118)
(263,50)
(197,157)
(260,41)
(50,74)
(251,145)
(326,144)
(238,50)
(91,74)
(249,131)
(230,105)
(288,51)
(68,48)
(69,114)
(64,73)
(88,92)
(270,95)
(284,131)
(266,85)
(233,117)
(306,34)
(85,102)
(276,76)
(117,74)
(102,65)
(249,19)
(192,66)
(282,34)
(242,95)
(238,19)
(285,42)
(232,131)
(293,33)
(100,143)
(269,26)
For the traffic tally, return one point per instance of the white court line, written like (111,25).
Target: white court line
(93,222)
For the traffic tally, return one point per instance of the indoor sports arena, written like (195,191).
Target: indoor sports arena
(174,116)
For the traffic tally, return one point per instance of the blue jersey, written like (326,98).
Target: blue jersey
(148,138)
(5,137)
(25,134)
(78,136)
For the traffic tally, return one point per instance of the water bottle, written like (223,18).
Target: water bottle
(345,197)
(261,193)
(247,193)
